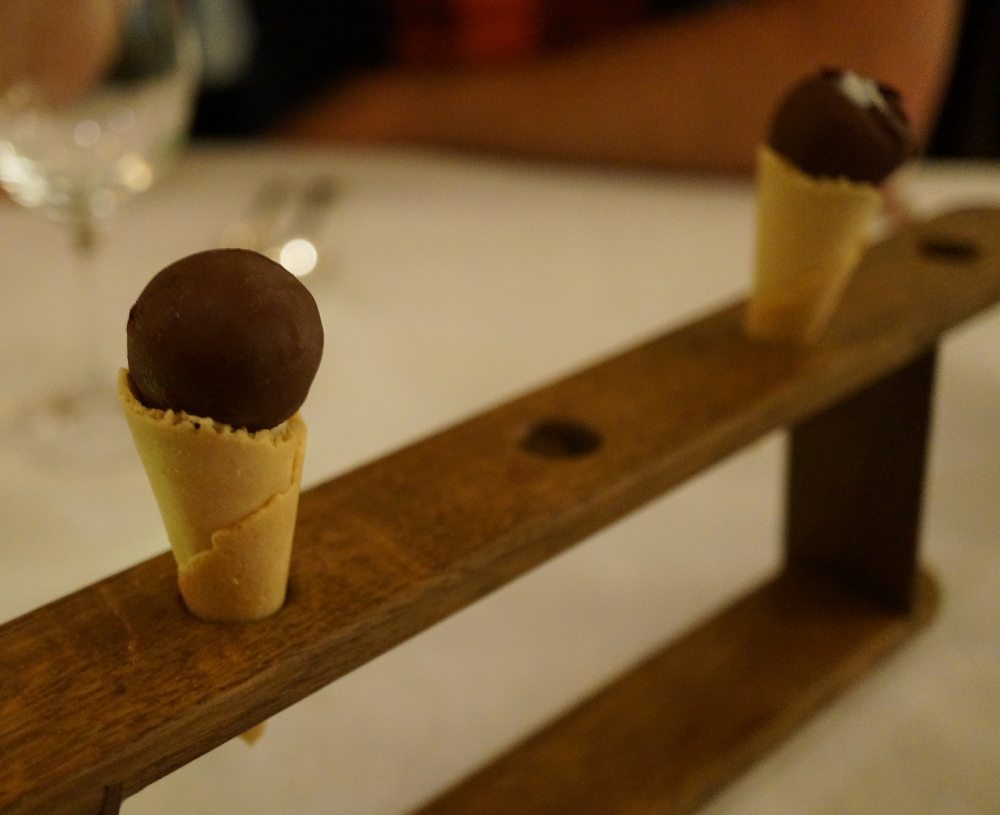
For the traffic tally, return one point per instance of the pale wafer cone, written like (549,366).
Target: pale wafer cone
(811,233)
(228,500)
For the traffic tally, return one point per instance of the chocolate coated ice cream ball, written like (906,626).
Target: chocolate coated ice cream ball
(228,334)
(841,124)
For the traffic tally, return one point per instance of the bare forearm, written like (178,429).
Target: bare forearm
(691,93)
(60,47)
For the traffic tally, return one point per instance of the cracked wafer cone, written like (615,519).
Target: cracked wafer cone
(228,499)
(811,233)
(222,349)
(834,138)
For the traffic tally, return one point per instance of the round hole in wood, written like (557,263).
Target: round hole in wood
(949,247)
(561,438)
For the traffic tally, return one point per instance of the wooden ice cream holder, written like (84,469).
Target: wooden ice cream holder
(112,687)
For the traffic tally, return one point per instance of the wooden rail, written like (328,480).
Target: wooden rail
(114,686)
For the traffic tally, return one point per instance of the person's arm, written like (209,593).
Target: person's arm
(690,92)
(61,48)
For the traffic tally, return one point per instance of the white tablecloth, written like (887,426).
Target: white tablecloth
(451,284)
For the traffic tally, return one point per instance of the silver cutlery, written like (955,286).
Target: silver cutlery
(284,221)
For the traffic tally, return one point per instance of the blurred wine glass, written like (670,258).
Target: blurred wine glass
(95,118)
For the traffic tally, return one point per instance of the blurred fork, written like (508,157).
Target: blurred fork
(298,250)
(262,216)
(284,221)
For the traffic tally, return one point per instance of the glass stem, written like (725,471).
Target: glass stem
(85,240)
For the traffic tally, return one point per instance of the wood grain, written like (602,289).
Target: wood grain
(117,685)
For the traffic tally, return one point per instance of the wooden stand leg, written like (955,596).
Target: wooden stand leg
(667,735)
(855,484)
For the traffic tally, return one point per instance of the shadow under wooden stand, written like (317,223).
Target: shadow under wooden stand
(108,689)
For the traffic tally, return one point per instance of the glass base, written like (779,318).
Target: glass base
(75,432)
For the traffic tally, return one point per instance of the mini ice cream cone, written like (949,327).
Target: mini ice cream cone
(228,499)
(811,233)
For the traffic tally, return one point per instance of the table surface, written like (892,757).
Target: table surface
(447,285)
